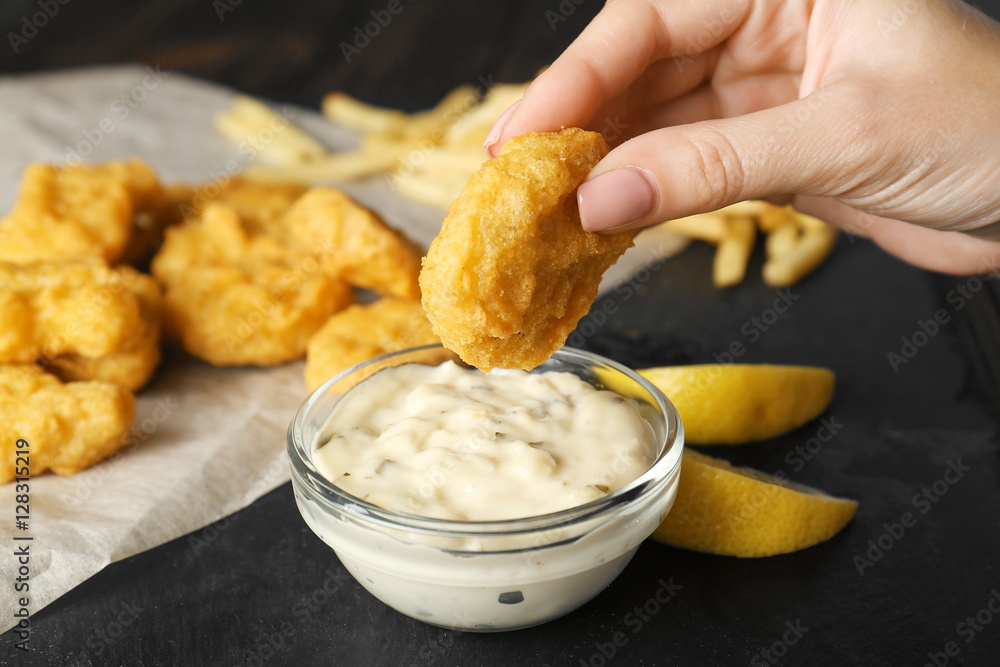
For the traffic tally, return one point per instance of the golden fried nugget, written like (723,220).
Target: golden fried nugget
(80,307)
(355,243)
(363,331)
(133,365)
(260,206)
(237,297)
(220,237)
(512,271)
(68,427)
(254,313)
(131,368)
(78,211)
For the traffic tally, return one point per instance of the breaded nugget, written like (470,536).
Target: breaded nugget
(80,307)
(512,271)
(133,365)
(80,211)
(261,206)
(363,331)
(68,426)
(131,368)
(220,237)
(355,243)
(236,297)
(252,314)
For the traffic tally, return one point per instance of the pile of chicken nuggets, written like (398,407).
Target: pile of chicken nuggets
(239,274)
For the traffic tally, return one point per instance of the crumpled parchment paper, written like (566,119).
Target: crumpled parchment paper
(206,441)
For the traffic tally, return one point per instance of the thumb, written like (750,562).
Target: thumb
(799,147)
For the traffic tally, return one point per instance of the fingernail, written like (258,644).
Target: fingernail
(615,199)
(494,136)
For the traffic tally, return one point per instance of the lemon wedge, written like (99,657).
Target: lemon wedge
(729,404)
(730,511)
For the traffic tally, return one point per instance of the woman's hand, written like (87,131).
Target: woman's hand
(870,114)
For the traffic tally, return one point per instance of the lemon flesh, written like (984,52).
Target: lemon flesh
(730,404)
(730,511)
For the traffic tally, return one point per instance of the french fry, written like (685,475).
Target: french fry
(751,208)
(812,248)
(464,161)
(781,240)
(260,117)
(472,128)
(709,227)
(733,252)
(274,152)
(808,222)
(426,189)
(433,124)
(770,217)
(336,167)
(344,110)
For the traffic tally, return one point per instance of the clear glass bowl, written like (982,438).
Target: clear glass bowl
(495,575)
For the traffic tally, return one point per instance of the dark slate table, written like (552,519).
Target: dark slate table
(914,579)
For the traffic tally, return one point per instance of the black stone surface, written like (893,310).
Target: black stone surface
(260,589)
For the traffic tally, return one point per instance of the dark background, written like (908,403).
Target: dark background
(261,589)
(290,50)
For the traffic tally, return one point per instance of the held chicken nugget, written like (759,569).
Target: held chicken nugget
(77,211)
(363,331)
(354,243)
(68,427)
(48,309)
(512,271)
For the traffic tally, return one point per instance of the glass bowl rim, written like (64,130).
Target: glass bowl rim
(666,462)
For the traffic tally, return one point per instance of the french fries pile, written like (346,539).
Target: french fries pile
(428,156)
(794,245)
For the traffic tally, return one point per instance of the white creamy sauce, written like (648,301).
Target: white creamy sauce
(454,443)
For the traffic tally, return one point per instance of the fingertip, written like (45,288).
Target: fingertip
(616,200)
(492,144)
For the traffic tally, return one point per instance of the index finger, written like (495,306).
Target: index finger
(598,68)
